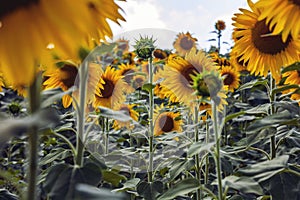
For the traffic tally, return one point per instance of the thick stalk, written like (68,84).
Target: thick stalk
(151,125)
(35,102)
(197,167)
(217,151)
(83,72)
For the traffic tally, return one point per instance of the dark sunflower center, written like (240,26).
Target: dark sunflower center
(229,78)
(186,43)
(109,87)
(7,7)
(269,44)
(128,75)
(158,53)
(68,75)
(297,2)
(166,123)
(298,71)
(187,72)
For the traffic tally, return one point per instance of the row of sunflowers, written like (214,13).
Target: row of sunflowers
(83,118)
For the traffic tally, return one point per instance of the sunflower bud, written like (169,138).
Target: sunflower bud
(144,47)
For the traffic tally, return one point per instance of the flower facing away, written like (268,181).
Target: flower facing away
(284,15)
(166,121)
(110,89)
(128,110)
(27,28)
(258,47)
(66,76)
(184,43)
(231,78)
(220,25)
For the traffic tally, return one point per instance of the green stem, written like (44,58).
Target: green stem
(106,135)
(217,151)
(151,124)
(197,162)
(83,74)
(206,158)
(35,102)
(272,100)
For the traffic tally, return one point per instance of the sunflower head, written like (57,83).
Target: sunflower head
(184,43)
(231,78)
(258,46)
(220,25)
(166,121)
(144,47)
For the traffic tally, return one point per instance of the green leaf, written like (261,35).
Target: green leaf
(149,190)
(283,186)
(251,84)
(62,178)
(183,187)
(276,164)
(117,115)
(84,191)
(112,177)
(148,87)
(55,154)
(283,88)
(6,195)
(243,184)
(199,147)
(271,121)
(292,67)
(180,166)
(51,96)
(130,184)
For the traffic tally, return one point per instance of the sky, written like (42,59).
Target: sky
(166,18)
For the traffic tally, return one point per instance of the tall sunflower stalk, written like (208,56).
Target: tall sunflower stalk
(35,103)
(198,170)
(83,77)
(272,111)
(144,49)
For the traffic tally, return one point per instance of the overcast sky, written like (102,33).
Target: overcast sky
(196,16)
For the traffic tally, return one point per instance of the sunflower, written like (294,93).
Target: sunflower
(283,15)
(110,89)
(178,74)
(220,25)
(231,78)
(256,45)
(128,109)
(66,76)
(39,23)
(184,43)
(220,61)
(166,121)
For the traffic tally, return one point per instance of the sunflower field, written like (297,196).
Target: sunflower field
(85,116)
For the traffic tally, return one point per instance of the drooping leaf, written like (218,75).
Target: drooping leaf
(252,84)
(199,147)
(149,190)
(130,184)
(183,187)
(62,178)
(243,184)
(112,177)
